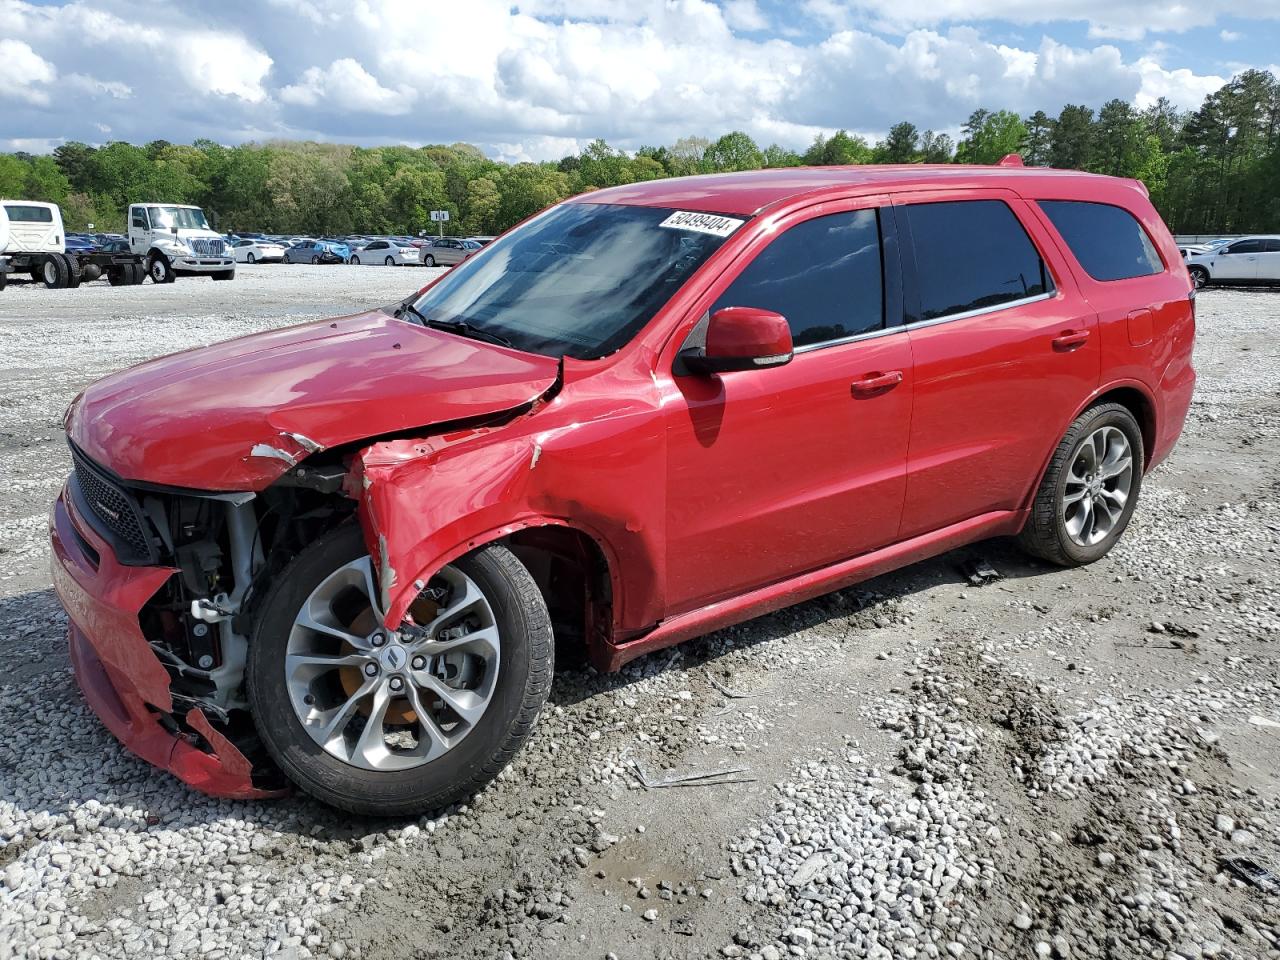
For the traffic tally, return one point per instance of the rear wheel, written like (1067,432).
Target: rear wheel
(1090,490)
(355,261)
(1199,276)
(315,259)
(397,722)
(429,260)
(389,262)
(74,273)
(54,271)
(251,259)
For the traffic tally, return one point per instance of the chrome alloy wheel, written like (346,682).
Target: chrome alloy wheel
(1097,486)
(391,700)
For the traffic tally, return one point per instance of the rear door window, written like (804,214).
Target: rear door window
(1108,241)
(972,255)
(1245,246)
(824,275)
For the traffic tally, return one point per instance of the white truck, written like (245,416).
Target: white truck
(32,241)
(175,240)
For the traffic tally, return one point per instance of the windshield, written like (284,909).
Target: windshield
(184,218)
(580,280)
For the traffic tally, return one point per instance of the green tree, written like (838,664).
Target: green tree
(1036,149)
(734,151)
(1071,141)
(936,147)
(991,136)
(900,146)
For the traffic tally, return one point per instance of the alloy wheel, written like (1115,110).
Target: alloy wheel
(390,700)
(1097,486)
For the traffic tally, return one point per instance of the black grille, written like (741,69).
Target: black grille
(119,516)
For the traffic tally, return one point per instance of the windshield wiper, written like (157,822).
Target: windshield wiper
(460,327)
(464,329)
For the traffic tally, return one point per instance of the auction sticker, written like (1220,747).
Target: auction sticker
(710,223)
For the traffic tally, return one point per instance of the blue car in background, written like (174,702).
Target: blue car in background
(317,251)
(80,243)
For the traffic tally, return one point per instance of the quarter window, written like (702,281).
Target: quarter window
(824,275)
(1108,241)
(1271,246)
(972,255)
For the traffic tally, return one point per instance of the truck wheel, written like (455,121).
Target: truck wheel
(136,273)
(4,277)
(159,269)
(403,722)
(120,276)
(1090,490)
(53,271)
(74,273)
(224,275)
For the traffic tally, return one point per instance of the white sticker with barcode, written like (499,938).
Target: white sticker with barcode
(710,223)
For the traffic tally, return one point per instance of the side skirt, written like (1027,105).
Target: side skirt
(607,657)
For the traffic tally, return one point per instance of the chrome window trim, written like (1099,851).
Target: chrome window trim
(920,324)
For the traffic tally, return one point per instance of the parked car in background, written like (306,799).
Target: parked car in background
(317,251)
(258,251)
(80,243)
(625,425)
(1244,261)
(386,253)
(446,251)
(483,240)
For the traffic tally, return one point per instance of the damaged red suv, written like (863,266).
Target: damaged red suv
(342,551)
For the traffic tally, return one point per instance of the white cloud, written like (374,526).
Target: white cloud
(534,79)
(23,72)
(1228,36)
(1117,19)
(744,15)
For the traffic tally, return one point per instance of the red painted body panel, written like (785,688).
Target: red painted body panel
(711,498)
(116,669)
(192,419)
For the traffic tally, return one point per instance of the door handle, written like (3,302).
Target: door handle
(1070,340)
(876,383)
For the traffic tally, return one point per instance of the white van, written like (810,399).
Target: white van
(175,239)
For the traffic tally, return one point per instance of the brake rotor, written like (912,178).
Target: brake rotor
(399,711)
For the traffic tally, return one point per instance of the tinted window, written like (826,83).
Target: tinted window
(823,275)
(1245,246)
(972,255)
(377,245)
(1108,241)
(1271,246)
(24,214)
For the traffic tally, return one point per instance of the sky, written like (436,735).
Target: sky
(538,79)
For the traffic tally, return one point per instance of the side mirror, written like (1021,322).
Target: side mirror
(738,338)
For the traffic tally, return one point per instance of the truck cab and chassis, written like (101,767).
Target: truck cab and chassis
(33,242)
(342,554)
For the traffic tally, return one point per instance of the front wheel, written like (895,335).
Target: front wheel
(160,270)
(389,262)
(251,259)
(397,722)
(355,261)
(315,259)
(429,260)
(1199,276)
(1090,490)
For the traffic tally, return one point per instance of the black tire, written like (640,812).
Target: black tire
(53,271)
(159,269)
(524,680)
(120,276)
(4,277)
(389,262)
(137,273)
(250,258)
(355,261)
(74,273)
(429,260)
(1045,534)
(224,275)
(315,258)
(1199,276)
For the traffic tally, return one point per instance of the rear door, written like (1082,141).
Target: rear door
(1004,351)
(775,472)
(1269,260)
(1237,261)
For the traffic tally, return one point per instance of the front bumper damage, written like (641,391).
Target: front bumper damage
(122,679)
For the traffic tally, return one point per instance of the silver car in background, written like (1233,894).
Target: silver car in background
(386,252)
(446,251)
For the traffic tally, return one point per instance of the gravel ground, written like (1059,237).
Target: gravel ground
(1051,765)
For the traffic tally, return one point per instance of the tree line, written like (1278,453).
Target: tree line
(1209,170)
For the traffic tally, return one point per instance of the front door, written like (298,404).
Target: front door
(775,472)
(1002,357)
(1237,261)
(139,230)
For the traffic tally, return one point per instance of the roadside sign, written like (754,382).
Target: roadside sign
(439,217)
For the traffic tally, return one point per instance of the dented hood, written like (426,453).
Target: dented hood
(233,415)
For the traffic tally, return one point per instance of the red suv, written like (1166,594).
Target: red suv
(342,550)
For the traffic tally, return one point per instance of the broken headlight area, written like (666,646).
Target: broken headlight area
(225,550)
